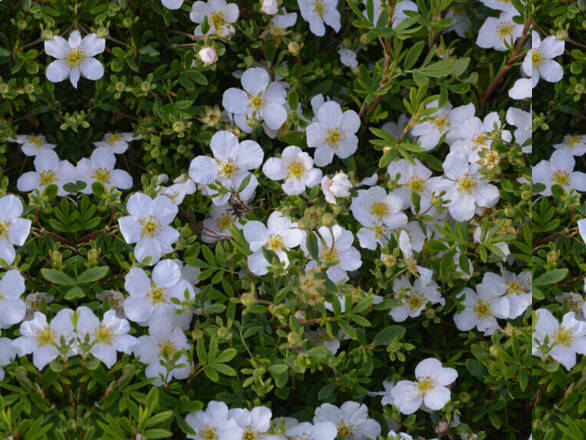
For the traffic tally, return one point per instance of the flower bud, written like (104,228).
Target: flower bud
(207,55)
(493,350)
(127,22)
(562,34)
(223,333)
(197,334)
(328,220)
(294,48)
(102,32)
(270,7)
(56,257)
(46,34)
(179,126)
(464,397)
(248,299)
(21,24)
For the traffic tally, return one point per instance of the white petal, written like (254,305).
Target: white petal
(57,71)
(91,69)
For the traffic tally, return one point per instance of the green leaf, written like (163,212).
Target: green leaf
(552,277)
(389,334)
(312,247)
(279,374)
(57,277)
(157,433)
(74,293)
(92,275)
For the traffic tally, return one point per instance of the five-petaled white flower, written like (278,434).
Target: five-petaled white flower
(13,229)
(575,144)
(414,298)
(496,32)
(43,339)
(104,338)
(318,12)
(539,63)
(148,226)
(295,167)
(117,142)
(332,132)
(221,16)
(100,168)
(430,390)
(443,121)
(261,99)
(560,341)
(482,307)
(559,170)
(214,423)
(351,420)
(230,166)
(75,57)
(312,431)
(49,170)
(32,145)
(278,236)
(337,186)
(255,422)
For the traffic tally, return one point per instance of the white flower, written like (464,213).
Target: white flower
(221,16)
(261,99)
(575,144)
(379,213)
(335,248)
(177,192)
(159,347)
(465,188)
(295,167)
(214,423)
(395,129)
(318,12)
(279,235)
(392,435)
(230,166)
(75,57)
(417,179)
(207,55)
(475,135)
(100,168)
(269,7)
(398,12)
(172,4)
(7,353)
(414,298)
(498,32)
(255,423)
(217,225)
(32,145)
(559,170)
(12,307)
(337,186)
(348,57)
(43,339)
(481,309)
(500,5)
(521,89)
(332,132)
(443,121)
(117,142)
(430,389)
(150,296)
(351,420)
(522,120)
(563,340)
(148,226)
(49,170)
(13,229)
(312,431)
(460,21)
(582,231)
(283,21)
(515,287)
(106,337)
(538,62)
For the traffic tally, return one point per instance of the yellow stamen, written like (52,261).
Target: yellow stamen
(227,169)
(113,138)
(104,334)
(563,337)
(319,8)
(47,177)
(167,349)
(466,184)
(561,177)
(379,209)
(482,310)
(296,169)
(274,242)
(102,175)
(416,184)
(150,226)
(74,57)
(424,385)
(224,222)
(45,336)
(335,136)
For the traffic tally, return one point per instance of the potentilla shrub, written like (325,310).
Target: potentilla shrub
(292,220)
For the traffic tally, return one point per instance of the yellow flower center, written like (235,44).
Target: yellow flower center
(415,301)
(47,177)
(441,123)
(74,57)
(216,19)
(113,138)
(416,184)
(345,430)
(150,227)
(466,184)
(482,310)
(3,232)
(330,255)
(36,141)
(480,140)
(379,209)
(561,177)
(319,8)
(227,169)
(274,242)
(573,141)
(166,350)
(424,385)
(256,101)
(296,169)
(536,57)
(249,434)
(45,336)
(224,222)
(102,175)
(334,136)
(563,337)
(156,294)
(505,29)
(104,334)
(515,287)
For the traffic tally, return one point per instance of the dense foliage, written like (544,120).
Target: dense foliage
(327,215)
